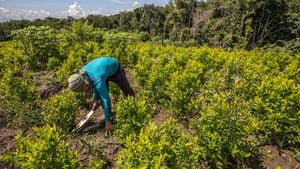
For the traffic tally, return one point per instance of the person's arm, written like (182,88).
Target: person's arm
(105,100)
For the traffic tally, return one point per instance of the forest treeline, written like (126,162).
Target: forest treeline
(219,23)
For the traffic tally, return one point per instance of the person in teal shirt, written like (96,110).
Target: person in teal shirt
(94,77)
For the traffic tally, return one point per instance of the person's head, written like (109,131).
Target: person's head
(78,83)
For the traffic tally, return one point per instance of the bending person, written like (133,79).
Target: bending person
(94,77)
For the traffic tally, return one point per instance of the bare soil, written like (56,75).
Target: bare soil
(273,157)
(91,143)
(7,141)
(46,86)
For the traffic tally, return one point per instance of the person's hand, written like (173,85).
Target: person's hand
(94,104)
(108,128)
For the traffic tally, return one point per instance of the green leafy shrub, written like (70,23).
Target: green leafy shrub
(45,149)
(62,109)
(144,64)
(83,32)
(154,73)
(277,104)
(19,98)
(53,63)
(119,45)
(78,55)
(224,128)
(78,34)
(38,44)
(184,79)
(159,147)
(73,62)
(131,116)
(96,164)
(183,89)
(15,83)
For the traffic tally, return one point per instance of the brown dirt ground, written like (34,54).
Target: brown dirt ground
(91,142)
(273,157)
(7,142)
(46,86)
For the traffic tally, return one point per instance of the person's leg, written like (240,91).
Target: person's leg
(121,80)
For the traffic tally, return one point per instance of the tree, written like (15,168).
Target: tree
(269,22)
(179,16)
(151,19)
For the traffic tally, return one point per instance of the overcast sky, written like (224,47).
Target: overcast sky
(32,9)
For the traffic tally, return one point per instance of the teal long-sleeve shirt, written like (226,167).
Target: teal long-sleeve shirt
(98,70)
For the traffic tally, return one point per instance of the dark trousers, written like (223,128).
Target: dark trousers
(120,79)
